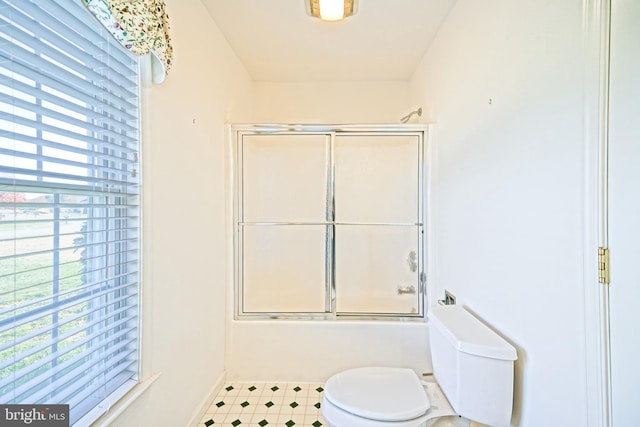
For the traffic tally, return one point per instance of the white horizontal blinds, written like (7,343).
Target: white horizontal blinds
(69,225)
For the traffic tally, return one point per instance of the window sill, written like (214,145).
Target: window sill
(106,413)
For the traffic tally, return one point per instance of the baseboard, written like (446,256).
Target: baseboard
(206,401)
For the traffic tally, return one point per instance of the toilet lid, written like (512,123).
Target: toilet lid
(384,394)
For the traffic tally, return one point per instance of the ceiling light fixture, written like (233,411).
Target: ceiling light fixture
(331,10)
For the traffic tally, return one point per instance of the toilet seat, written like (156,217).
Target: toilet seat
(336,417)
(378,393)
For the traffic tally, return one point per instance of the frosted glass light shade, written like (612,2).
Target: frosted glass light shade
(331,10)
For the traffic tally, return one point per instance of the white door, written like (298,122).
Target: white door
(624,212)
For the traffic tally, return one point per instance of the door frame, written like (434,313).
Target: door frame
(596,44)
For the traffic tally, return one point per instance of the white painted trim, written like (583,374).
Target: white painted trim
(204,404)
(230,242)
(596,59)
(146,203)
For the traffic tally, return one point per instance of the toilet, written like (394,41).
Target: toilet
(472,378)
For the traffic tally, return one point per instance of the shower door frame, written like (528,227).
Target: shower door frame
(238,131)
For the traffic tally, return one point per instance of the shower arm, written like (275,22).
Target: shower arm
(406,118)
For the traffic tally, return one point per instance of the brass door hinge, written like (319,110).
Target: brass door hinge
(603,265)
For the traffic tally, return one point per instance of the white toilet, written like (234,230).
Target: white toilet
(473,371)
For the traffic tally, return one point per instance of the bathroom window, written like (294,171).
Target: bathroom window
(329,222)
(69,216)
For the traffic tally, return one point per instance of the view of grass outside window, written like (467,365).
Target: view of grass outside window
(30,263)
(69,209)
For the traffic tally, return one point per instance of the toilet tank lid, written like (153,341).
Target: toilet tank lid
(468,335)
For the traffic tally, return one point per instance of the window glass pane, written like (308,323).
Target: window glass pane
(284,178)
(284,268)
(375,271)
(376,178)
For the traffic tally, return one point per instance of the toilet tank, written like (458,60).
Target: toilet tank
(472,364)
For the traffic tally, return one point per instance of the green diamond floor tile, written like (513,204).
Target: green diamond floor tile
(285,398)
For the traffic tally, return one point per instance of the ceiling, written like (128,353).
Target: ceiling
(277,41)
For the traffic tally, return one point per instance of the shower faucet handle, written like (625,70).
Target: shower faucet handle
(406,290)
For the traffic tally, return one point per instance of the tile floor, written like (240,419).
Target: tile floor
(266,404)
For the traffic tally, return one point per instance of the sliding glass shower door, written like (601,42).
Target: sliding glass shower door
(377,223)
(329,223)
(284,228)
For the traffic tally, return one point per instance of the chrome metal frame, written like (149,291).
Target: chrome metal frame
(238,131)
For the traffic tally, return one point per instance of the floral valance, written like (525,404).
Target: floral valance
(141,26)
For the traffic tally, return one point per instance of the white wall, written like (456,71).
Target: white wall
(331,102)
(623,208)
(504,84)
(315,350)
(184,219)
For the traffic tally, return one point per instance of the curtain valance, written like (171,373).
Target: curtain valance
(140,26)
